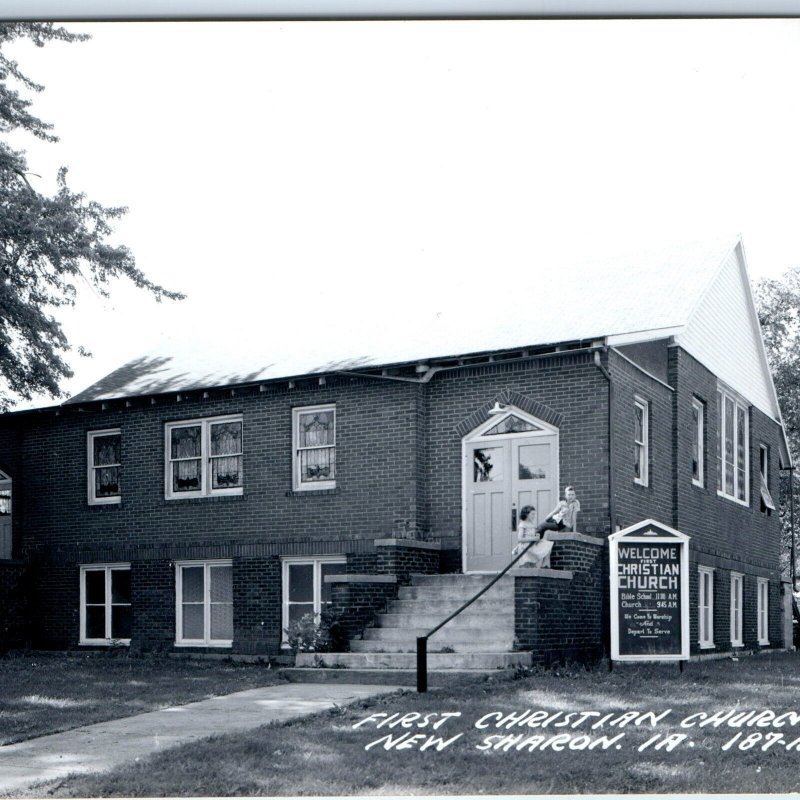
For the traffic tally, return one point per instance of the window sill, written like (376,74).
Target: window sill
(698,484)
(105,643)
(114,501)
(743,503)
(312,492)
(204,644)
(737,644)
(763,642)
(206,498)
(641,483)
(707,646)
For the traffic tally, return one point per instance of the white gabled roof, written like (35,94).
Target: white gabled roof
(698,293)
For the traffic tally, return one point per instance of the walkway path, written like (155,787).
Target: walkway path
(99,747)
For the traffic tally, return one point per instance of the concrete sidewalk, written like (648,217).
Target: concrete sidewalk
(99,747)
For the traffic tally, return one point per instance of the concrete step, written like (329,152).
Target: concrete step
(445,607)
(474,582)
(436,592)
(408,661)
(446,635)
(448,646)
(498,620)
(384,676)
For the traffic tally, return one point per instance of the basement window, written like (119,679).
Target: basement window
(105,604)
(204,612)
(304,587)
(705,607)
(762,610)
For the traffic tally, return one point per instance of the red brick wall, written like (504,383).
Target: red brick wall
(725,535)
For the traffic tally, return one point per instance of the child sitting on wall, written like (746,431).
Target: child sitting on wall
(527,533)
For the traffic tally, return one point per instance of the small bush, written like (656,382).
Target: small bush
(307,635)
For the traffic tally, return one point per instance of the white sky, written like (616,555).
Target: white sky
(299,179)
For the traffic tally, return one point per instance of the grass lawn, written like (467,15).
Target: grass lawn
(329,754)
(47,693)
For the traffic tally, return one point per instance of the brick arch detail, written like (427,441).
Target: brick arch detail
(507,397)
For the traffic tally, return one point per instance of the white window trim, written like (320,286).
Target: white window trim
(205,489)
(97,568)
(738,403)
(317,561)
(762,610)
(6,546)
(314,486)
(640,402)
(705,638)
(207,641)
(763,459)
(90,437)
(699,438)
(737,611)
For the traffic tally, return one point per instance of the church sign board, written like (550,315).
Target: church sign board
(649,572)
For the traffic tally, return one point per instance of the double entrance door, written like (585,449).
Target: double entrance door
(502,475)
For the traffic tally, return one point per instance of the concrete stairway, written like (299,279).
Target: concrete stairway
(480,638)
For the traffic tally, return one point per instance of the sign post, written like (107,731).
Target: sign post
(649,572)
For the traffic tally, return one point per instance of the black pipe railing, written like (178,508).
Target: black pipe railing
(422,641)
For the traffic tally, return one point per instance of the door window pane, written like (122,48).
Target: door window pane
(487,464)
(534,461)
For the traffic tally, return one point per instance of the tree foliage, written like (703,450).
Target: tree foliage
(48,244)
(778,303)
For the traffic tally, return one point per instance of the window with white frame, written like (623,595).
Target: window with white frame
(105,465)
(5,515)
(762,610)
(705,607)
(203,457)
(733,447)
(698,419)
(105,604)
(640,441)
(767,503)
(314,443)
(304,587)
(737,609)
(204,595)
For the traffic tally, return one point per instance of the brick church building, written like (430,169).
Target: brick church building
(175,506)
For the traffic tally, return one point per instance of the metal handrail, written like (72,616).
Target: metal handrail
(422,641)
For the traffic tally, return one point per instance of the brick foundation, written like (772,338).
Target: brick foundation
(560,618)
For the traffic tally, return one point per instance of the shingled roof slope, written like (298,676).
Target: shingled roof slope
(632,295)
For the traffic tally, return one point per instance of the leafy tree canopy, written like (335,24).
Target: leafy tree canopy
(47,243)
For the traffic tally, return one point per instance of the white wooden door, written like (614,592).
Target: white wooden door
(501,476)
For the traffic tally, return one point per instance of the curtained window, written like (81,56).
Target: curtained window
(314,447)
(105,467)
(204,457)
